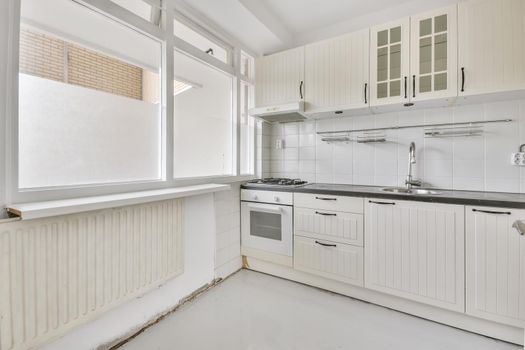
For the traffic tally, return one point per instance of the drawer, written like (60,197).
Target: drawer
(328,202)
(330,225)
(285,198)
(341,262)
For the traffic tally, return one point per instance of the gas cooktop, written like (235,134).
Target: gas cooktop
(271,181)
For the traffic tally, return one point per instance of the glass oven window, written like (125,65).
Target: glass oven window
(265,225)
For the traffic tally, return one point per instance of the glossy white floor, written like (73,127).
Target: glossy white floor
(253,311)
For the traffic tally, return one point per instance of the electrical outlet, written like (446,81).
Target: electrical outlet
(518,159)
(279,144)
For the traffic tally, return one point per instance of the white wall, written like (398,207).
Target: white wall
(470,163)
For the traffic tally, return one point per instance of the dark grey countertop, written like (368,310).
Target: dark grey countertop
(493,199)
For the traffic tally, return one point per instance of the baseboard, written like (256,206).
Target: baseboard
(229,268)
(451,318)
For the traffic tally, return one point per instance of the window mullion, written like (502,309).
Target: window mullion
(168,92)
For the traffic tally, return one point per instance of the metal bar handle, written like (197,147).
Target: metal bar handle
(382,203)
(406,87)
(325,244)
(326,199)
(414,86)
(492,212)
(462,79)
(325,214)
(366,88)
(301,89)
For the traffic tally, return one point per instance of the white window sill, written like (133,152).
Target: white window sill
(36,210)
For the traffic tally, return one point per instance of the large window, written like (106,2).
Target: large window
(85,113)
(93,105)
(203,131)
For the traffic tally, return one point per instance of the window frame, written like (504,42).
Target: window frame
(169,42)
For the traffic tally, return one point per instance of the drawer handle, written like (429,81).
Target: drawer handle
(493,212)
(326,244)
(325,214)
(326,199)
(382,203)
(517,226)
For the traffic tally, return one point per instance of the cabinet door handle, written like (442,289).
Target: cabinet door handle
(325,214)
(366,88)
(326,199)
(492,212)
(406,87)
(462,79)
(382,203)
(326,244)
(517,226)
(414,86)
(301,89)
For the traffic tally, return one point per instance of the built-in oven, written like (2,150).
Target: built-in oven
(267,225)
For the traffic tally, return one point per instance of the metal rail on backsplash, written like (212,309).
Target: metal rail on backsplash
(460,129)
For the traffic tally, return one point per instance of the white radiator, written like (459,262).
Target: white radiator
(60,272)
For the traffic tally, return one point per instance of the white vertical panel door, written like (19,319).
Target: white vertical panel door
(280,78)
(337,73)
(433,55)
(491,46)
(415,250)
(390,63)
(495,265)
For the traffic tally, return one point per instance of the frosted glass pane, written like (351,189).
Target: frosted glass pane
(425,84)
(382,64)
(395,35)
(395,88)
(382,90)
(440,23)
(395,61)
(425,55)
(440,53)
(203,120)
(382,38)
(71,135)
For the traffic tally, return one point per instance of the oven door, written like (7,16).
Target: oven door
(267,227)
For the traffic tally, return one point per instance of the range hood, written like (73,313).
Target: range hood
(290,112)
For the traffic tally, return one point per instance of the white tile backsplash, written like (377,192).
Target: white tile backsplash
(464,163)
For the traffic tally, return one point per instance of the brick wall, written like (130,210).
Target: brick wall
(44,56)
(41,55)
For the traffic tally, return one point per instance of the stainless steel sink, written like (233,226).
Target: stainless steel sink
(403,190)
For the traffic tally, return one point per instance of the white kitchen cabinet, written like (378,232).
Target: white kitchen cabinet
(433,55)
(337,73)
(491,47)
(415,250)
(495,258)
(341,262)
(280,78)
(331,225)
(390,63)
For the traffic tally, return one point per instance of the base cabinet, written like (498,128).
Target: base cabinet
(337,261)
(415,250)
(495,256)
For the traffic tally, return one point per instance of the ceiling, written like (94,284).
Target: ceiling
(267,26)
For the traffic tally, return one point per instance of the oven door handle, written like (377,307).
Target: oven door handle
(265,209)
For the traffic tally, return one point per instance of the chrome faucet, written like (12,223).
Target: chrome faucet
(409,182)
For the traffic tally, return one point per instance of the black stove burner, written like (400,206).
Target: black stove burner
(278,181)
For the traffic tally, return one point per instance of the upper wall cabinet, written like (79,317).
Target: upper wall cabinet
(433,55)
(337,73)
(280,78)
(389,63)
(491,47)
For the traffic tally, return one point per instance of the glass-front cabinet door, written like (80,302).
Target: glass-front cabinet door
(433,47)
(389,63)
